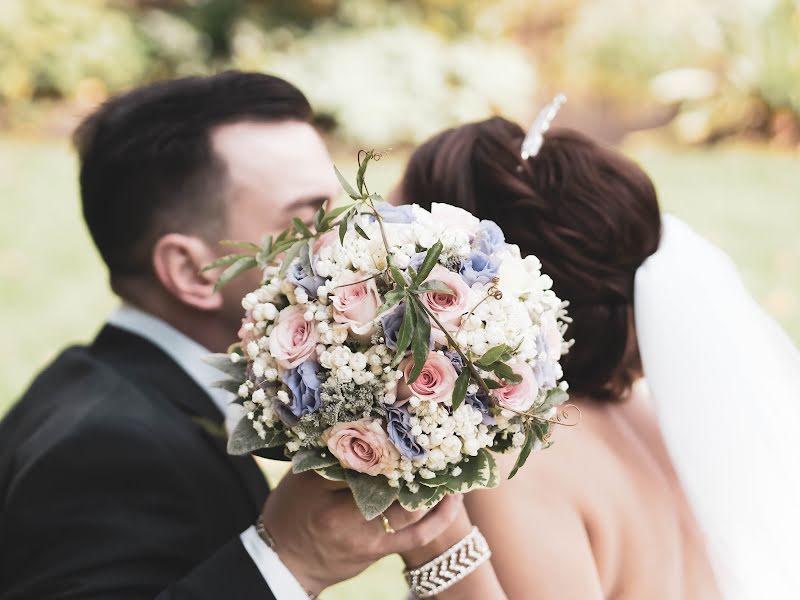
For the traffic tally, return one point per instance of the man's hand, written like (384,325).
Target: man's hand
(322,538)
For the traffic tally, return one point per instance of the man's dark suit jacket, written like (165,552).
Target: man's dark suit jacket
(115,484)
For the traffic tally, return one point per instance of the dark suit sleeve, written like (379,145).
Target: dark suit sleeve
(107,513)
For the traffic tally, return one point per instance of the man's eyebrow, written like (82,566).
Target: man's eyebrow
(304,202)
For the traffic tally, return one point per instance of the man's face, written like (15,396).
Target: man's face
(276,171)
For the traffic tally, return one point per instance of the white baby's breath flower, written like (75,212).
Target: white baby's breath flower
(243,391)
(344,374)
(358,361)
(426,474)
(259,396)
(249,301)
(471,446)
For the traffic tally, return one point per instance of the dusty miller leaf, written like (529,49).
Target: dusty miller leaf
(311,459)
(425,497)
(372,494)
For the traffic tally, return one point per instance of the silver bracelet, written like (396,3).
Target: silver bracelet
(450,567)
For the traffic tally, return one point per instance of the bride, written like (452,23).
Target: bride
(688,489)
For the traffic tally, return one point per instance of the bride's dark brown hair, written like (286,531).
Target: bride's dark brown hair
(587,212)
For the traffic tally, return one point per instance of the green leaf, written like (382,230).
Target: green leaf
(391,299)
(291,254)
(265,251)
(530,437)
(223,261)
(310,459)
(331,216)
(240,266)
(343,225)
(492,384)
(438,287)
(494,473)
(506,373)
(346,185)
(405,334)
(279,248)
(397,275)
(319,218)
(492,355)
(425,497)
(244,439)
(222,362)
(460,388)
(430,261)
(412,273)
(302,227)
(238,244)
(475,473)
(332,473)
(229,385)
(420,341)
(556,396)
(373,495)
(362,168)
(361,232)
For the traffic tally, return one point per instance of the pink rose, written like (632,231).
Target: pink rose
(454,217)
(521,396)
(293,340)
(448,308)
(363,446)
(356,303)
(435,381)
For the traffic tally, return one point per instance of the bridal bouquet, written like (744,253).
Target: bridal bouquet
(393,348)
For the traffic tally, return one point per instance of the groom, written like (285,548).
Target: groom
(114,479)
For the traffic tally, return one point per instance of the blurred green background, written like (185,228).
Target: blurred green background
(706,95)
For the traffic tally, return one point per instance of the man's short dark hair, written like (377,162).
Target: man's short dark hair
(148,166)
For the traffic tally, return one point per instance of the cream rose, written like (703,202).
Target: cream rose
(435,382)
(363,446)
(293,340)
(355,302)
(521,396)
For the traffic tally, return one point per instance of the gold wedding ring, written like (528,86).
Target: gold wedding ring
(387,527)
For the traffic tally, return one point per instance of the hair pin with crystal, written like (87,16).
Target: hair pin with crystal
(535,137)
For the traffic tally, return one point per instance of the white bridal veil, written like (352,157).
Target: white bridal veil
(725,381)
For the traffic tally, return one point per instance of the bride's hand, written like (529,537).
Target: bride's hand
(478,585)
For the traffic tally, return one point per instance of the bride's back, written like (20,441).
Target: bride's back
(601,513)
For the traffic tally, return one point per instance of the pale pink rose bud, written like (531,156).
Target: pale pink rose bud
(363,446)
(293,340)
(355,302)
(435,382)
(521,396)
(448,308)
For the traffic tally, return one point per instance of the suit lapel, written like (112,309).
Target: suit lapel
(152,369)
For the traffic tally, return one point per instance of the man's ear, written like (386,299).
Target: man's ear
(178,261)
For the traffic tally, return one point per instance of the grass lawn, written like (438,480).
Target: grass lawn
(53,289)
